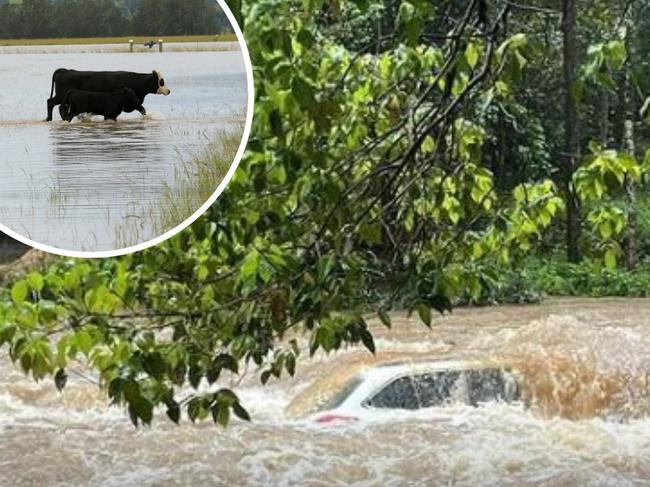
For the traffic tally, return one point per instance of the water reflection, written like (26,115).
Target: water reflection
(110,161)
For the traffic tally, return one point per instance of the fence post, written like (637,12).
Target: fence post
(130,45)
(160,45)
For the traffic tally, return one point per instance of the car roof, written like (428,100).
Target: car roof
(428,366)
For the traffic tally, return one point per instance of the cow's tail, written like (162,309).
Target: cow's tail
(54,80)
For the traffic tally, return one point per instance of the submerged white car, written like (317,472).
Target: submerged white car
(377,392)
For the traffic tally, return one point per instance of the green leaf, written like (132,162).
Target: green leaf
(605,229)
(35,281)
(278,174)
(385,318)
(303,92)
(60,379)
(250,265)
(227,362)
(20,291)
(101,300)
(173,411)
(144,410)
(424,311)
(428,145)
(7,333)
(410,22)
(83,341)
(195,410)
(221,415)
(240,412)
(368,341)
(290,364)
(471,55)
(371,233)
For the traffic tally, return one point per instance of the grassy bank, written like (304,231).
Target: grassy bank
(115,40)
(539,278)
(588,278)
(198,178)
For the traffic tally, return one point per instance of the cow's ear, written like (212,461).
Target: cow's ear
(154,73)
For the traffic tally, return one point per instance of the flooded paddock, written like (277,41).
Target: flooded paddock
(123,47)
(94,185)
(587,423)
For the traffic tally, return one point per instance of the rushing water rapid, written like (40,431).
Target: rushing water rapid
(584,364)
(96,185)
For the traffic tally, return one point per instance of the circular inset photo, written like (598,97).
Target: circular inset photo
(111,144)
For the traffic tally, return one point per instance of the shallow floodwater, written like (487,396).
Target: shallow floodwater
(586,425)
(96,185)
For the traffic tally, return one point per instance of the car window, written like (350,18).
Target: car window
(399,394)
(416,391)
(490,385)
(438,388)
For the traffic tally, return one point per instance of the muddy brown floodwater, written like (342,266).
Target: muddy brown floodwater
(585,364)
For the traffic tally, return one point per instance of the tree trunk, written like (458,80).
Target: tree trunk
(571,129)
(604,118)
(630,200)
(630,190)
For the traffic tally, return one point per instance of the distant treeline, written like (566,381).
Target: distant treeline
(34,19)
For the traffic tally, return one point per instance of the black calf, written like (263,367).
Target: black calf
(110,105)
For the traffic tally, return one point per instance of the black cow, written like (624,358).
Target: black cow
(110,105)
(104,82)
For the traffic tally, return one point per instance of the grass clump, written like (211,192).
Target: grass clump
(197,179)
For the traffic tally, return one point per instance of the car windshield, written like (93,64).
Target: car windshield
(439,388)
(339,397)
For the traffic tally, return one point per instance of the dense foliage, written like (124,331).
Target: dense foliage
(555,277)
(401,156)
(31,19)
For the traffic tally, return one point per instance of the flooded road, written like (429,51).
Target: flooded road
(585,361)
(98,185)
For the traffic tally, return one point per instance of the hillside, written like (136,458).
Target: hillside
(128,5)
(37,19)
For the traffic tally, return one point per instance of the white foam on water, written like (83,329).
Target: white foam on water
(153,115)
